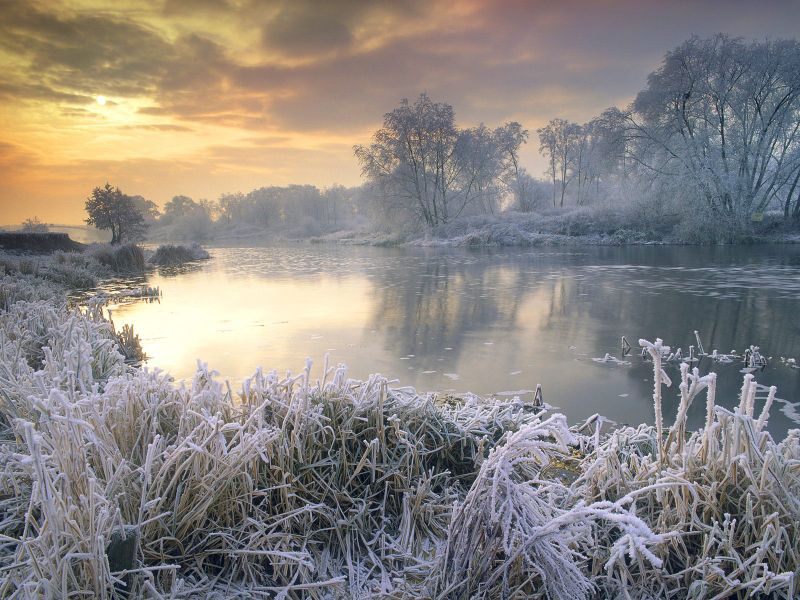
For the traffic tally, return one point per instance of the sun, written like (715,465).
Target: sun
(101,100)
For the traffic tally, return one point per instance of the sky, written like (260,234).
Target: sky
(204,97)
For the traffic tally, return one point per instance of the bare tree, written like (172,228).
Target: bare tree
(559,142)
(423,165)
(510,138)
(725,116)
(34,225)
(410,158)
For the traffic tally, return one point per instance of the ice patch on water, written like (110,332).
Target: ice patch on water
(611,360)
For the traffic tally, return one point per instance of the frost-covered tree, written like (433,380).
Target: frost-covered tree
(510,138)
(109,208)
(481,162)
(179,206)
(412,159)
(147,208)
(611,164)
(295,210)
(560,143)
(724,116)
(423,165)
(187,219)
(34,225)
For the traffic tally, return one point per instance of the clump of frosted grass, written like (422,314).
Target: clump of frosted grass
(170,255)
(726,498)
(17,288)
(68,270)
(518,534)
(300,487)
(122,258)
(297,486)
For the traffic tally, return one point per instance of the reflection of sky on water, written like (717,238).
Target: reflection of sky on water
(487,322)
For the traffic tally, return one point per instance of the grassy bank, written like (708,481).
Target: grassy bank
(115,482)
(602,226)
(15,241)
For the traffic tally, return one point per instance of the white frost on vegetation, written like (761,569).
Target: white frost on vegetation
(298,487)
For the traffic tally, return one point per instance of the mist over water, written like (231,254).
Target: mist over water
(489,322)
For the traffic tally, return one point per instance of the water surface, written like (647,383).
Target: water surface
(490,322)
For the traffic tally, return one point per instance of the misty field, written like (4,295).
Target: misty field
(117,482)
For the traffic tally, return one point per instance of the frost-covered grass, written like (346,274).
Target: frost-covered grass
(76,270)
(169,255)
(327,487)
(68,270)
(594,225)
(123,258)
(632,223)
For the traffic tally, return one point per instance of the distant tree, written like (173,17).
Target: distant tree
(209,207)
(109,208)
(231,207)
(147,208)
(179,206)
(34,225)
(334,199)
(529,193)
(510,138)
(190,220)
(560,143)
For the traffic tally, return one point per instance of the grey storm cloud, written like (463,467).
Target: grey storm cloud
(306,33)
(78,52)
(309,28)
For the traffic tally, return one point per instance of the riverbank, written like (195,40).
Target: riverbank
(82,266)
(319,485)
(38,243)
(599,226)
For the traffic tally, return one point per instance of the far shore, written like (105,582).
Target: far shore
(491,235)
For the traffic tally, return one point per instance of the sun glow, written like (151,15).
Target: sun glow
(101,100)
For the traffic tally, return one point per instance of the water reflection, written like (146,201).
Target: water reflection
(488,322)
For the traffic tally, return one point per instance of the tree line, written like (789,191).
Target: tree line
(300,210)
(718,123)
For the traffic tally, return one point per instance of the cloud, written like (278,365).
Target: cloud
(80,54)
(183,7)
(305,33)
(15,158)
(158,127)
(251,92)
(303,28)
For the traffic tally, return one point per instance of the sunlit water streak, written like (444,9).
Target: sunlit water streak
(486,322)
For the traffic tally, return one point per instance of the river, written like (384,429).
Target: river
(489,322)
